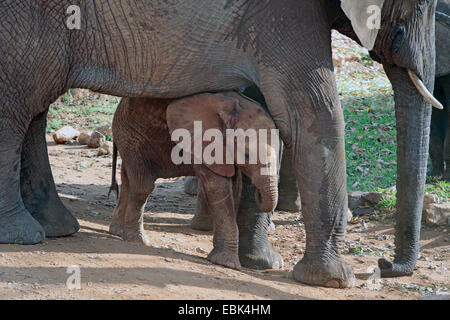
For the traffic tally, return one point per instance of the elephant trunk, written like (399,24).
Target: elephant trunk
(266,194)
(413,114)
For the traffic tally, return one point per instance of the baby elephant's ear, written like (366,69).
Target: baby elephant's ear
(365,16)
(196,115)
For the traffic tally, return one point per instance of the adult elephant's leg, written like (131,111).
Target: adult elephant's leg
(307,111)
(288,195)
(37,186)
(438,131)
(16,223)
(320,168)
(255,249)
(446,102)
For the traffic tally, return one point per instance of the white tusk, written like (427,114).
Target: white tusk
(424,91)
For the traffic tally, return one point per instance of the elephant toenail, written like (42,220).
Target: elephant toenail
(18,241)
(333,284)
(38,237)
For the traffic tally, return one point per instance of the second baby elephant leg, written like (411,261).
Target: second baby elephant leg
(202,219)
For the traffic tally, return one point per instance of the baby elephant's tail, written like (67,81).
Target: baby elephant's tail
(114,184)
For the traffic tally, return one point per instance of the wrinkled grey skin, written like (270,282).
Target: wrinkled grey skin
(142,128)
(177,48)
(439,137)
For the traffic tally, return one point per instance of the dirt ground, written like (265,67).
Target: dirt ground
(174,267)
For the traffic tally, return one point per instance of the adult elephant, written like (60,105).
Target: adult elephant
(440,124)
(177,48)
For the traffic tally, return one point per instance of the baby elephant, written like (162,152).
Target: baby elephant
(142,130)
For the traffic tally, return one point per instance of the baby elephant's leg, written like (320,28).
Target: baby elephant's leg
(140,186)
(219,198)
(118,221)
(133,230)
(202,219)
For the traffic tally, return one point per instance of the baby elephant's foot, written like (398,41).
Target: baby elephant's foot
(136,237)
(225,258)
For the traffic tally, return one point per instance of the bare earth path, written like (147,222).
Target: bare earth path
(174,267)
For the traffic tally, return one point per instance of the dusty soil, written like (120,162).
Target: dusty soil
(174,267)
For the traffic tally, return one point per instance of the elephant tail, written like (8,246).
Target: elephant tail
(114,184)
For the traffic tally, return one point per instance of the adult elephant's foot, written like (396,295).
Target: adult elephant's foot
(225,258)
(17,226)
(37,186)
(49,211)
(390,270)
(333,273)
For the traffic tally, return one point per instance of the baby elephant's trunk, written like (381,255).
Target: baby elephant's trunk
(266,194)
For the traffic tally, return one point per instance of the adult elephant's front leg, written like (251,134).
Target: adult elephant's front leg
(319,162)
(37,186)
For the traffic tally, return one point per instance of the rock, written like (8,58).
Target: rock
(104,130)
(430,199)
(191,186)
(83,138)
(373,197)
(437,214)
(355,199)
(65,135)
(363,211)
(358,199)
(96,140)
(105,149)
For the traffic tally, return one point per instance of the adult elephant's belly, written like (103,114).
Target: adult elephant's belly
(153,51)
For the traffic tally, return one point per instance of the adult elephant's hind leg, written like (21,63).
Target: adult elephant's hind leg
(16,223)
(37,186)
(255,249)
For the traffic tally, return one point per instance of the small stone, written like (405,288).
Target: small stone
(104,130)
(437,214)
(84,137)
(65,135)
(106,148)
(96,140)
(200,250)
